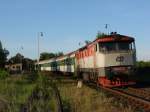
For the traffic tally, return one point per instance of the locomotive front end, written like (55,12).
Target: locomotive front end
(116,58)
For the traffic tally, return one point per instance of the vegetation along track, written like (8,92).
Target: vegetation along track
(58,98)
(41,97)
(137,98)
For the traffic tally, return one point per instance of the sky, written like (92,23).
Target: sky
(66,23)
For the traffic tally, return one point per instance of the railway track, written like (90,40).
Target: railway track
(138,99)
(146,89)
(144,94)
(134,97)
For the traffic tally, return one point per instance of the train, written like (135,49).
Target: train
(108,61)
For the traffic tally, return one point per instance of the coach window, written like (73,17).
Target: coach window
(96,47)
(86,53)
(89,52)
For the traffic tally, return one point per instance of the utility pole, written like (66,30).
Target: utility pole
(107,27)
(40,34)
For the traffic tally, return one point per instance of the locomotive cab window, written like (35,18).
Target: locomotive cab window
(124,46)
(107,47)
(115,46)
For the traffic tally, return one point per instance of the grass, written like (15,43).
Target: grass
(43,98)
(86,99)
(38,96)
(19,92)
(42,102)
(14,91)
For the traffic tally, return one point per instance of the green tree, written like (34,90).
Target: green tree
(59,54)
(143,64)
(46,55)
(18,58)
(28,64)
(3,56)
(100,35)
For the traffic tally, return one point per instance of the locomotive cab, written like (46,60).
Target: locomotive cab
(116,58)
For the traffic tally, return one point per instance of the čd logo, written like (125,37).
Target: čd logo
(120,59)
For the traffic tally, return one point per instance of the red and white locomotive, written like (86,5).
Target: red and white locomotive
(109,61)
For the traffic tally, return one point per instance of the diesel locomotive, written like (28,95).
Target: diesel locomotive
(108,61)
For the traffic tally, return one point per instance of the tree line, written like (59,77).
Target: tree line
(27,63)
(143,64)
(3,56)
(46,55)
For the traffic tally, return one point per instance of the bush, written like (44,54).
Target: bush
(101,35)
(3,74)
(32,77)
(143,64)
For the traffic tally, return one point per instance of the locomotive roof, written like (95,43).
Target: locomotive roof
(114,38)
(110,38)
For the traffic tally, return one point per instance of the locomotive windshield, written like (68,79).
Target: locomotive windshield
(116,46)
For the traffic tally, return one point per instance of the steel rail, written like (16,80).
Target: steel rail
(140,93)
(134,100)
